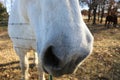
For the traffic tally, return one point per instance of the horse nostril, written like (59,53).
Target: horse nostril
(50,59)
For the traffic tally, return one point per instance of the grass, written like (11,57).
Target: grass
(3,28)
(103,64)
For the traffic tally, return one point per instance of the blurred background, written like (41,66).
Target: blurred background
(103,64)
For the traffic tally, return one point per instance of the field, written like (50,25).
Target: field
(103,64)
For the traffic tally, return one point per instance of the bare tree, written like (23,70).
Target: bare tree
(92,4)
(89,4)
(102,10)
(101,6)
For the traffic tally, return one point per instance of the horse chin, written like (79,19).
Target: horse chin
(69,68)
(55,66)
(58,71)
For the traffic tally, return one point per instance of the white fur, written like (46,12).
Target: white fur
(38,24)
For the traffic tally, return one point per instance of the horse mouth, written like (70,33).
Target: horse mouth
(68,68)
(58,71)
(54,66)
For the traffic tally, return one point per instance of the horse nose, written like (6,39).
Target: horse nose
(50,59)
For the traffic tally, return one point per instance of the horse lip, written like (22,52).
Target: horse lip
(51,68)
(59,71)
(56,68)
(45,70)
(68,68)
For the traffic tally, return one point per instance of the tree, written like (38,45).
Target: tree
(100,6)
(3,15)
(94,4)
(2,10)
(102,10)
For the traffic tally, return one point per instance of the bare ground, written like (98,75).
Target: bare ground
(103,64)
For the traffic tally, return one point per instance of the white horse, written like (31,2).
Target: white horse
(55,30)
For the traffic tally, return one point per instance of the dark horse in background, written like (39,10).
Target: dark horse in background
(111,19)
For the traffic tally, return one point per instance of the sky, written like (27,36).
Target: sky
(8,4)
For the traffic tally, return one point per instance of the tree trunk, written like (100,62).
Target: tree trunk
(94,15)
(103,9)
(89,14)
(102,15)
(99,13)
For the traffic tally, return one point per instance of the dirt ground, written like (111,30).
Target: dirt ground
(103,64)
